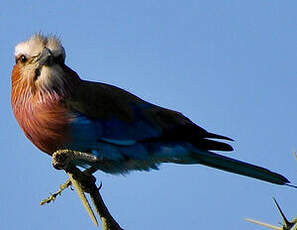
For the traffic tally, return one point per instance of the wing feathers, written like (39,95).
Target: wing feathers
(124,117)
(216,136)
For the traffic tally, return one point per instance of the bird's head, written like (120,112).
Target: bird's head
(39,64)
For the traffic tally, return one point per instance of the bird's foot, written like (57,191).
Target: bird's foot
(61,159)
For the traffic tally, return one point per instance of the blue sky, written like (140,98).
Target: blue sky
(230,66)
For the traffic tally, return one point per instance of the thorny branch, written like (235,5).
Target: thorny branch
(83,182)
(287,225)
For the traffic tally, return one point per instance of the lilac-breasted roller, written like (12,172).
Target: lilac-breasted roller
(119,131)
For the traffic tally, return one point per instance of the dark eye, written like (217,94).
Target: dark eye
(23,58)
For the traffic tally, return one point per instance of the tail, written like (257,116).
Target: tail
(239,167)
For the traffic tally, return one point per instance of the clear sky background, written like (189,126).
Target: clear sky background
(230,66)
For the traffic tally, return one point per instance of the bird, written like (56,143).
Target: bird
(117,131)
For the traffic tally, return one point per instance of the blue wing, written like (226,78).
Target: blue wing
(126,133)
(129,133)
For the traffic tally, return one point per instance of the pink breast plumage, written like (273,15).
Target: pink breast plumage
(45,123)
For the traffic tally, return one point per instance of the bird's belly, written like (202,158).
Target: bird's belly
(122,159)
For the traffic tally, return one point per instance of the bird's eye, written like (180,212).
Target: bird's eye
(23,58)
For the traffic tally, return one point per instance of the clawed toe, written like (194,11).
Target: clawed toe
(61,159)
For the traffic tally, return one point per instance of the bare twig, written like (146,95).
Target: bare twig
(53,196)
(263,224)
(83,198)
(103,212)
(62,187)
(84,182)
(287,225)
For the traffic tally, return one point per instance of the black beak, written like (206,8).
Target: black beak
(46,57)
